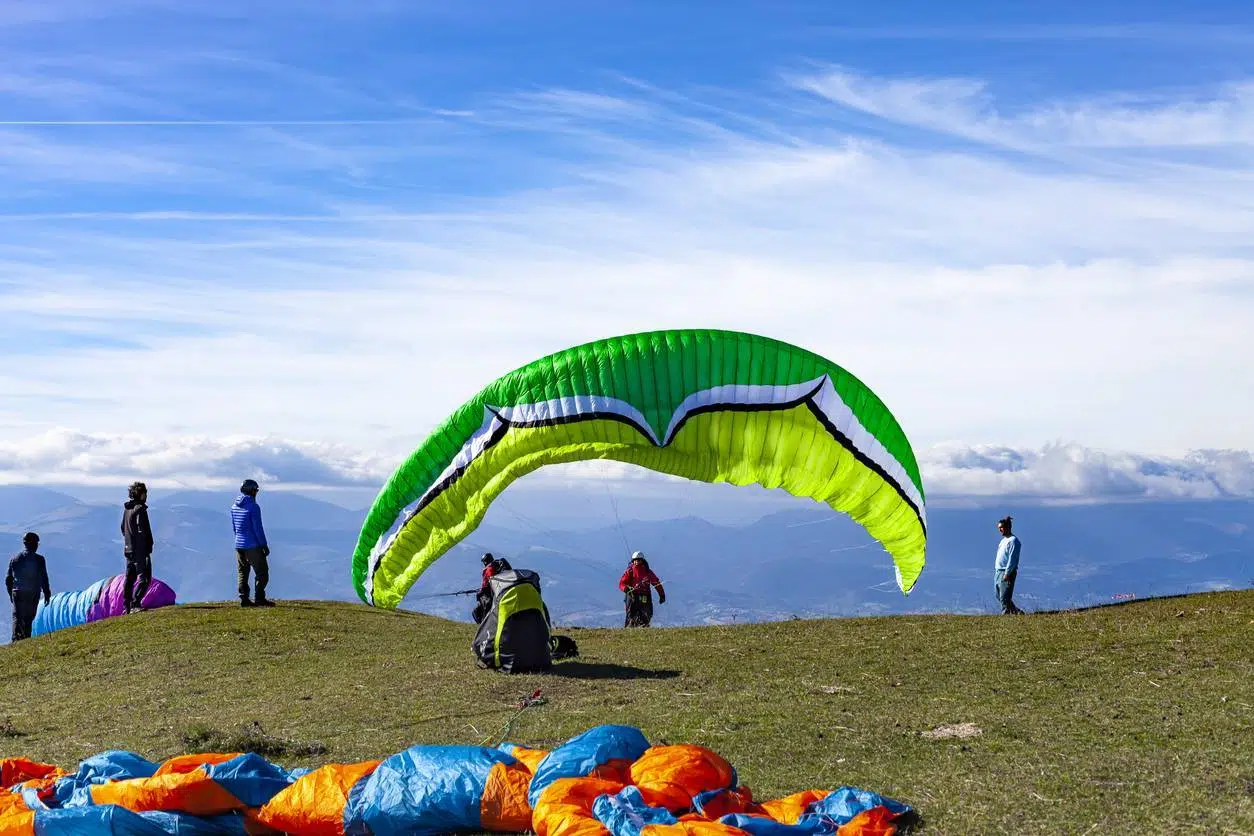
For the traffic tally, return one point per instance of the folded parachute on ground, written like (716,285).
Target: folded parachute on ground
(714,406)
(607,781)
(103,599)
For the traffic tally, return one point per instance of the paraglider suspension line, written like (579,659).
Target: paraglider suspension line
(523,705)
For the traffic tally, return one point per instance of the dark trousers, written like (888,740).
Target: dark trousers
(256,560)
(138,577)
(24,606)
(639,609)
(483,603)
(1004,589)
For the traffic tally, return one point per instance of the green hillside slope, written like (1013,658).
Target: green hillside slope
(1127,719)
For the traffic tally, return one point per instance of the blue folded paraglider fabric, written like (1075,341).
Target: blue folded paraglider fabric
(582,755)
(66,609)
(423,790)
(627,814)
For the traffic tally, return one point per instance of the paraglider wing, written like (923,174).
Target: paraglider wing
(103,599)
(714,406)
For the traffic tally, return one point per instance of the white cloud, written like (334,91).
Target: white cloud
(63,456)
(950,471)
(1071,471)
(965,107)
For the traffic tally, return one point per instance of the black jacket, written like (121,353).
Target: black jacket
(136,532)
(27,573)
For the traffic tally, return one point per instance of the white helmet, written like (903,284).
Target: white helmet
(637,555)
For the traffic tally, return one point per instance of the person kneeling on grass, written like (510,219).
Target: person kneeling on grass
(251,547)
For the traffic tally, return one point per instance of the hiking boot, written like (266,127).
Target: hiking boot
(263,602)
(244,602)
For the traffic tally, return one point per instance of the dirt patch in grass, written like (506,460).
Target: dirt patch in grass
(248,738)
(961,731)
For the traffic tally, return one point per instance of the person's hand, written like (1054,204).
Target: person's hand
(265,551)
(661,597)
(47,600)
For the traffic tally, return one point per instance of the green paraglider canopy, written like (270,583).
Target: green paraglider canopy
(714,406)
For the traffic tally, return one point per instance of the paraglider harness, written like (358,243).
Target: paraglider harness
(639,607)
(514,635)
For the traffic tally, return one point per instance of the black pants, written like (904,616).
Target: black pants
(256,560)
(24,606)
(639,610)
(138,577)
(483,603)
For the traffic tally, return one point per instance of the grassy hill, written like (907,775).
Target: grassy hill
(1125,719)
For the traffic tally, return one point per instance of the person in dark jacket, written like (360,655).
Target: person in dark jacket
(636,585)
(25,581)
(137,543)
(251,548)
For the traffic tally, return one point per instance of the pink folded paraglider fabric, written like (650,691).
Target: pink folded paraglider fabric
(111,603)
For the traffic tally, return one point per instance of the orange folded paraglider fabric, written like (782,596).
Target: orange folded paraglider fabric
(565,808)
(186,792)
(788,809)
(18,770)
(15,819)
(878,821)
(530,757)
(672,776)
(315,803)
(189,763)
(692,827)
(504,807)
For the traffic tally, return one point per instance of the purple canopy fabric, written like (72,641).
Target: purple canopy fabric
(110,602)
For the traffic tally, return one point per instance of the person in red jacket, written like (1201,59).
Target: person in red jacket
(483,599)
(637,596)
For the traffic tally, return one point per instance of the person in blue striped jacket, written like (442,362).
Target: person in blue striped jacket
(251,547)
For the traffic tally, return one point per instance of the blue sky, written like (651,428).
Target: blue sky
(314,229)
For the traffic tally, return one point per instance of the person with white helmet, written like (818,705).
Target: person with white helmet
(637,594)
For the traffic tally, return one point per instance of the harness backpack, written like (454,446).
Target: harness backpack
(514,634)
(562,647)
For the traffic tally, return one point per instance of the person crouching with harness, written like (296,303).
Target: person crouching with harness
(637,596)
(483,599)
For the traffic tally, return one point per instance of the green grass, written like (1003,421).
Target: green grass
(1128,719)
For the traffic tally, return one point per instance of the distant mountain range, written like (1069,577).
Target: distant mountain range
(805,561)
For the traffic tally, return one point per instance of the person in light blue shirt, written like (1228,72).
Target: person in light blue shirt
(1006,567)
